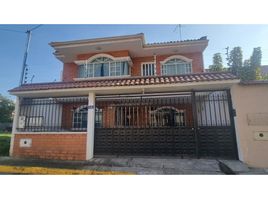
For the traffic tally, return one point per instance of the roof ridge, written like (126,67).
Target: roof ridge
(178,41)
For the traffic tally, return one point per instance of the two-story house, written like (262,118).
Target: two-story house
(123,96)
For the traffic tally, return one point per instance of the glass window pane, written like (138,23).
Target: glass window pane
(176,66)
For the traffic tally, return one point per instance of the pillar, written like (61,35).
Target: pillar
(14,126)
(90,126)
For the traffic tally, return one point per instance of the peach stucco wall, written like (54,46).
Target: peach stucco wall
(251,100)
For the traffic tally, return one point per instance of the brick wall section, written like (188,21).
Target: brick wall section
(136,68)
(70,70)
(52,146)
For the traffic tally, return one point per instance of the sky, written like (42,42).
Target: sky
(45,67)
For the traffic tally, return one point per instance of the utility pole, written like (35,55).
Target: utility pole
(29,34)
(24,64)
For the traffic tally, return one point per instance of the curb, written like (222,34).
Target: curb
(56,171)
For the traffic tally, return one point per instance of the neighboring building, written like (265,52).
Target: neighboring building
(121,96)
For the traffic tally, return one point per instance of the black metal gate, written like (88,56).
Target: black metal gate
(186,124)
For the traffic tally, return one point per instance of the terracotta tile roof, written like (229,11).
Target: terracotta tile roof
(177,41)
(128,81)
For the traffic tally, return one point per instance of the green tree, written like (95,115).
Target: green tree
(255,61)
(245,72)
(235,60)
(217,65)
(251,68)
(256,56)
(6,109)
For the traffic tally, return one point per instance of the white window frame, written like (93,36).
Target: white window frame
(186,61)
(148,69)
(78,120)
(90,67)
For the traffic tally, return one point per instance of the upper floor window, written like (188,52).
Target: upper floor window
(176,66)
(103,66)
(148,69)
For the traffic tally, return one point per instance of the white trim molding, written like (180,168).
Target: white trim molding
(100,78)
(90,126)
(125,58)
(178,57)
(90,59)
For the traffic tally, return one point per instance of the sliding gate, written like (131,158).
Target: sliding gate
(187,124)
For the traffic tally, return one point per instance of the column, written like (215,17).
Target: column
(90,126)
(14,126)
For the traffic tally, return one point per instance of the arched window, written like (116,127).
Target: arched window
(103,66)
(176,66)
(80,118)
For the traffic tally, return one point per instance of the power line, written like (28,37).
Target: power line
(35,27)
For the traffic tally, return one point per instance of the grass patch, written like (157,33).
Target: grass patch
(4,144)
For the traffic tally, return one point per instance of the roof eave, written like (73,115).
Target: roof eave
(79,42)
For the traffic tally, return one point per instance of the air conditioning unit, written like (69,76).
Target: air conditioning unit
(22,120)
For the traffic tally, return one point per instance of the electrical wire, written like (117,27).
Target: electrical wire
(12,30)
(35,27)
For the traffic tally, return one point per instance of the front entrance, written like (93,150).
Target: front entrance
(186,124)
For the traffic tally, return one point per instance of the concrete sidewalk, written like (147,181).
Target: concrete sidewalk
(141,165)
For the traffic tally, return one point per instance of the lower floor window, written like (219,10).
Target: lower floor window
(80,118)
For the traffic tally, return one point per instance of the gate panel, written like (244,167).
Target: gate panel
(216,134)
(145,141)
(189,124)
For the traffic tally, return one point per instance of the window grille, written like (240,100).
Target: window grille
(148,69)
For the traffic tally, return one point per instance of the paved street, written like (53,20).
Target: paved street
(142,165)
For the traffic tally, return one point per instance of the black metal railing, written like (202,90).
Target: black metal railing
(52,114)
(129,111)
(173,110)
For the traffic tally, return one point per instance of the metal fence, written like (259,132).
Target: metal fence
(150,111)
(52,114)
(128,111)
